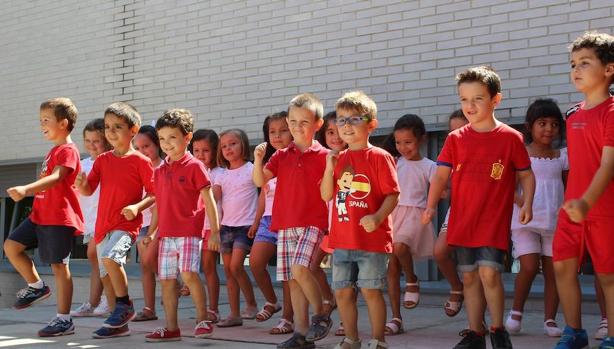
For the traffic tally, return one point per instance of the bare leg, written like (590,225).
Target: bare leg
(551,297)
(169,295)
(394,290)
(568,288)
(259,258)
(349,312)
(288,313)
(95,282)
(443,256)
(300,306)
(493,291)
(63,285)
(15,252)
(474,300)
(232,287)
(118,277)
(600,298)
(199,297)
(403,254)
(209,266)
(240,275)
(309,287)
(108,291)
(529,266)
(148,274)
(377,311)
(607,283)
(320,275)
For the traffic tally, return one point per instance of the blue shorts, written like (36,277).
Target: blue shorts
(54,242)
(470,258)
(361,268)
(234,237)
(264,234)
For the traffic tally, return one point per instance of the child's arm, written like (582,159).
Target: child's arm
(131,211)
(577,209)
(372,221)
(251,233)
(327,186)
(527,183)
(152,230)
(437,186)
(82,185)
(260,175)
(214,224)
(21,191)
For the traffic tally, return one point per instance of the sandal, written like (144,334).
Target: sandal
(331,304)
(230,322)
(283,327)
(551,329)
(353,344)
(452,308)
(394,327)
(184,291)
(267,313)
(213,316)
(411,299)
(249,313)
(512,325)
(146,315)
(340,330)
(375,344)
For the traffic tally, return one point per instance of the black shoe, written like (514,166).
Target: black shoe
(30,295)
(500,339)
(320,326)
(297,341)
(57,327)
(471,340)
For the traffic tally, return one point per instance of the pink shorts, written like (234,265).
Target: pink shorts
(296,246)
(572,240)
(408,229)
(178,254)
(532,240)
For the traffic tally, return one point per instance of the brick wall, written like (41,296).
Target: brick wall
(233,62)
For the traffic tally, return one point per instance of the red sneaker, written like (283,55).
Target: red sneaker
(203,329)
(163,335)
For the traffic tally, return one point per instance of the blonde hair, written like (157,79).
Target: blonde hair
(358,101)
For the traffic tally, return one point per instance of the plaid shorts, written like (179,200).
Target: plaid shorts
(296,246)
(178,255)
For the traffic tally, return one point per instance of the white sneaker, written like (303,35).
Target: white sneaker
(103,308)
(84,310)
(602,330)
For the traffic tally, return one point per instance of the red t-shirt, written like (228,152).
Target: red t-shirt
(484,166)
(362,179)
(297,201)
(122,180)
(588,131)
(177,187)
(59,205)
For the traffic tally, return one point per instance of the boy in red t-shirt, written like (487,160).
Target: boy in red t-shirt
(55,219)
(587,217)
(484,157)
(299,215)
(363,181)
(122,174)
(178,185)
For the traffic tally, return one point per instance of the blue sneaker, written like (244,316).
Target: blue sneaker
(607,343)
(30,295)
(120,316)
(107,332)
(572,339)
(57,327)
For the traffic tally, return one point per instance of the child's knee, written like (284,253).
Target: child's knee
(400,250)
(490,277)
(190,277)
(299,271)
(470,278)
(237,269)
(12,248)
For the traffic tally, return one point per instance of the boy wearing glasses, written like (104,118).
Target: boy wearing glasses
(363,181)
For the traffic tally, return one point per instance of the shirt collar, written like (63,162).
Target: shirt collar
(182,161)
(315,147)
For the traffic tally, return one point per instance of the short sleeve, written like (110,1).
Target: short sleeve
(521,159)
(273,163)
(67,157)
(93,178)
(200,179)
(147,176)
(446,157)
(564,158)
(432,169)
(608,132)
(387,174)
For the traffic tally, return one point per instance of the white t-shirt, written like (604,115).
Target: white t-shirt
(89,204)
(549,192)
(269,194)
(414,179)
(214,175)
(147,213)
(239,196)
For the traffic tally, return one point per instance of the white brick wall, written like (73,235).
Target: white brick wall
(233,62)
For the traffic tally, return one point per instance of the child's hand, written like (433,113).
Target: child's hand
(331,159)
(525,214)
(370,222)
(146,240)
(259,151)
(214,241)
(130,212)
(251,232)
(577,209)
(81,180)
(427,215)
(17,193)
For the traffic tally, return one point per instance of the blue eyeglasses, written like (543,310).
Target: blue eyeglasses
(352,120)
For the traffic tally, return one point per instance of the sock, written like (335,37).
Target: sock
(65,317)
(124,300)
(37,285)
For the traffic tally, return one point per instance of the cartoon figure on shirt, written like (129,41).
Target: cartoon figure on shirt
(345,187)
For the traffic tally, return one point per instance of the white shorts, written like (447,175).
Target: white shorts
(532,240)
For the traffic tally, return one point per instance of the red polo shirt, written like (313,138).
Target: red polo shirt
(177,187)
(297,200)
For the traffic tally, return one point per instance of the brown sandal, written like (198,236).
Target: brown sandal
(146,315)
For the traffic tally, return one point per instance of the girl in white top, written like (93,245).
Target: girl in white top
(277,136)
(239,198)
(95,144)
(146,141)
(204,147)
(410,238)
(533,242)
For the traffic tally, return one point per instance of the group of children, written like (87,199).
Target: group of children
(370,208)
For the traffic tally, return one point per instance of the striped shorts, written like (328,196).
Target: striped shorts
(178,254)
(296,246)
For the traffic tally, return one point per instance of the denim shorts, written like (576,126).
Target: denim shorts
(234,237)
(264,234)
(54,242)
(470,258)
(361,268)
(115,246)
